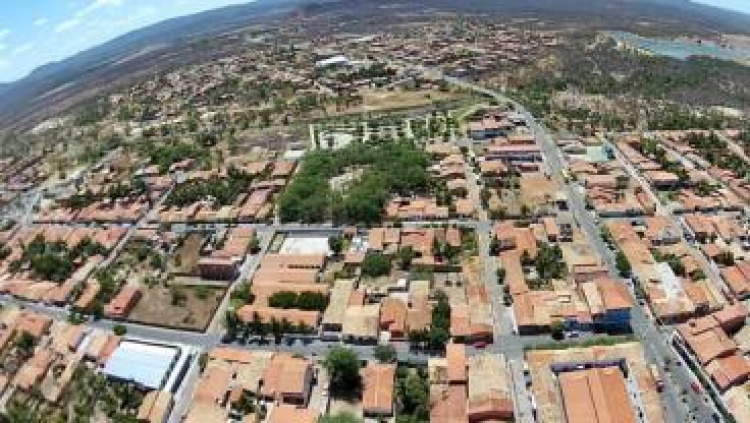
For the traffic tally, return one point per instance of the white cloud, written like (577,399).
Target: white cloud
(23,48)
(78,17)
(67,25)
(96,5)
(4,33)
(41,22)
(3,46)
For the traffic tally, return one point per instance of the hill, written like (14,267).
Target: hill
(54,88)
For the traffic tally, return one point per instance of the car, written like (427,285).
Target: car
(574,334)
(480,345)
(696,388)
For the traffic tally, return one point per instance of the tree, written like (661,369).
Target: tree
(549,262)
(26,342)
(376,264)
(283,299)
(277,330)
(405,257)
(343,366)
(494,245)
(257,327)
(385,353)
(623,265)
(232,324)
(307,300)
(501,276)
(119,330)
(417,338)
(178,296)
(439,332)
(698,274)
(336,244)
(202,292)
(558,329)
(413,397)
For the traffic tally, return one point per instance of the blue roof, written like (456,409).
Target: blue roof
(145,364)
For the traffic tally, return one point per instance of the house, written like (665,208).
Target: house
(596,395)
(123,303)
(377,394)
(286,413)
(661,179)
(217,268)
(362,324)
(156,407)
(287,379)
(609,303)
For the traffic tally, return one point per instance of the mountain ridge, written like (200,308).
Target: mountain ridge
(55,87)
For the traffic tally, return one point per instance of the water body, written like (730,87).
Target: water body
(681,49)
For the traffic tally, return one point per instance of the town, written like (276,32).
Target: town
(367,228)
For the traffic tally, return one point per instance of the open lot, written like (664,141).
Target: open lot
(193,311)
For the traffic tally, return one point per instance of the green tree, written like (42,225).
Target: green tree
(25,342)
(385,353)
(177,296)
(232,323)
(413,397)
(558,328)
(405,257)
(376,264)
(336,244)
(119,330)
(501,276)
(494,245)
(623,265)
(439,332)
(343,366)
(549,262)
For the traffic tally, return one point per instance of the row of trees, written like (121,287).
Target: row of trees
(256,327)
(308,301)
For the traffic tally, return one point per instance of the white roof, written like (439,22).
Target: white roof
(146,364)
(335,60)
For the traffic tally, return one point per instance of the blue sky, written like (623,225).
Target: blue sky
(35,32)
(739,5)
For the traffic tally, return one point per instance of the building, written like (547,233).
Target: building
(155,407)
(123,303)
(287,379)
(609,303)
(148,365)
(377,395)
(596,395)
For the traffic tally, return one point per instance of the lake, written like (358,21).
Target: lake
(681,49)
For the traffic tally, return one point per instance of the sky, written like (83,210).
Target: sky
(36,32)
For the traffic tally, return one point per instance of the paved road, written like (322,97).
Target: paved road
(657,348)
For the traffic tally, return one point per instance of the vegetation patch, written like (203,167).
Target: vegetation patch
(394,167)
